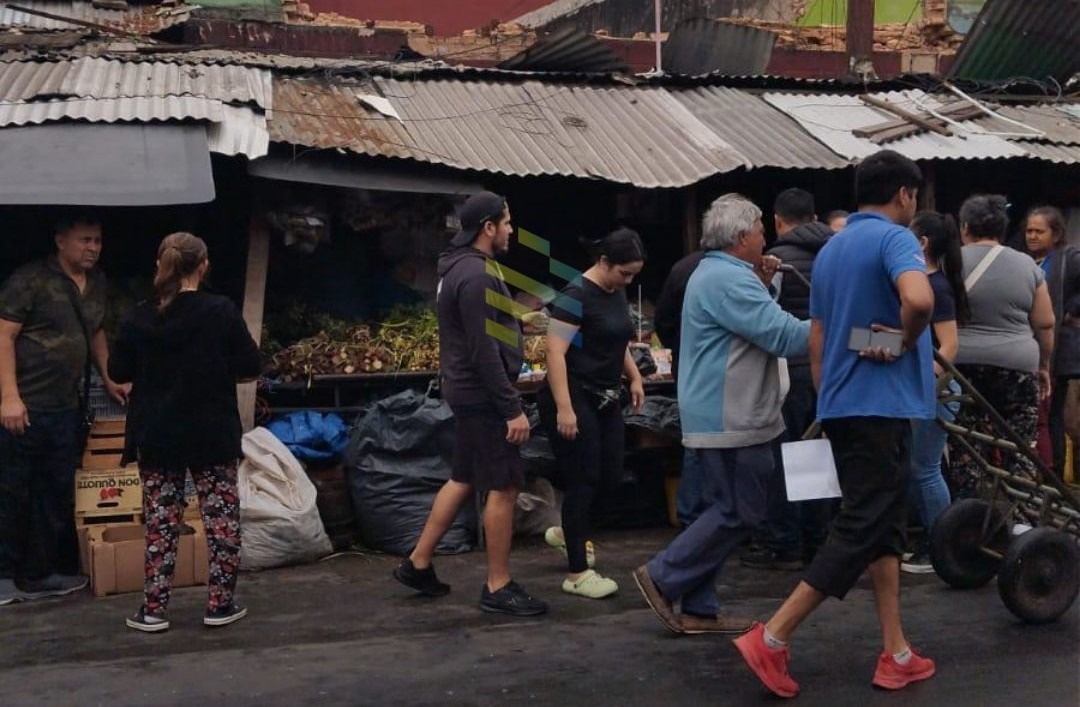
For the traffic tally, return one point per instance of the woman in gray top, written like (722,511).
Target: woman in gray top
(1006,346)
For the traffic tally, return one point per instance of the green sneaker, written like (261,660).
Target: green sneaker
(554,537)
(590,585)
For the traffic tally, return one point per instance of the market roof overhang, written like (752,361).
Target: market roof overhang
(355,172)
(105,165)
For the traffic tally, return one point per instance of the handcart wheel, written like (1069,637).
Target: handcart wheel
(1040,575)
(957,542)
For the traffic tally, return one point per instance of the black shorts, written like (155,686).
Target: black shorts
(873,465)
(482,456)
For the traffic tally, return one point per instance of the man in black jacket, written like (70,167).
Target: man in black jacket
(689,502)
(794,530)
(480,356)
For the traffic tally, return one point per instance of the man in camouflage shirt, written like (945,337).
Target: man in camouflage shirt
(42,362)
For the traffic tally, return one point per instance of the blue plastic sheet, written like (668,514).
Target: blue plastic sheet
(312,436)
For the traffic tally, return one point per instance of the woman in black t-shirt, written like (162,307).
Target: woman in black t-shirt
(580,403)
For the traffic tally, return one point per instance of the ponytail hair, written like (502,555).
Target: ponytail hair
(944,250)
(621,246)
(179,256)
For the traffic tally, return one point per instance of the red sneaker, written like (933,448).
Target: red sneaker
(890,675)
(770,666)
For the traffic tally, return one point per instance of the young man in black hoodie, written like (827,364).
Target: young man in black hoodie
(793,531)
(480,356)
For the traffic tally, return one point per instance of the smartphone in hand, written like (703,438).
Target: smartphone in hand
(861,339)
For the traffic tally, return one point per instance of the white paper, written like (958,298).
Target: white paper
(809,470)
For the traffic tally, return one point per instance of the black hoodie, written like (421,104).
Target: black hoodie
(184,364)
(480,345)
(798,248)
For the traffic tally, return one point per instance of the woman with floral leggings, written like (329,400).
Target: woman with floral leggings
(184,353)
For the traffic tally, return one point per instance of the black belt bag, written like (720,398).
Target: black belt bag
(603,398)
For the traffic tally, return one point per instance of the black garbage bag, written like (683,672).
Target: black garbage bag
(398,459)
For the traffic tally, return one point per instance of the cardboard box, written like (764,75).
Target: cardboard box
(114,557)
(108,492)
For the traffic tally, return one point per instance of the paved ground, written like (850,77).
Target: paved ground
(342,632)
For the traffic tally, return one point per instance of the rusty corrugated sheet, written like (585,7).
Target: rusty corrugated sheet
(1059,123)
(136,19)
(570,50)
(1021,38)
(703,46)
(639,136)
(764,135)
(312,40)
(1058,154)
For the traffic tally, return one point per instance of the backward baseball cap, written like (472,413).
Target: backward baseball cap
(478,209)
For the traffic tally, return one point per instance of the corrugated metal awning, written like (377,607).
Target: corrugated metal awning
(234,100)
(763,135)
(833,118)
(639,136)
(105,165)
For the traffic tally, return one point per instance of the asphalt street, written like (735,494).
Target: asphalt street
(341,631)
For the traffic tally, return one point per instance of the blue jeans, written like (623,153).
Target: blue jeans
(37,497)
(690,498)
(736,481)
(927,488)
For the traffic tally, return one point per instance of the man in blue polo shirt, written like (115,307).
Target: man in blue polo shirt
(871,275)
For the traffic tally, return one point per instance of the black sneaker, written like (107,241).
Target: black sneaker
(224,615)
(424,581)
(919,563)
(511,599)
(148,623)
(55,585)
(766,559)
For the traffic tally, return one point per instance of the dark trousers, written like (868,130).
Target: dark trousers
(873,465)
(801,527)
(37,498)
(591,462)
(736,482)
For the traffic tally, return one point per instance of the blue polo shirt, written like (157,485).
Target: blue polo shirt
(854,285)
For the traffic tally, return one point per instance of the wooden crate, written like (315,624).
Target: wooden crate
(105,445)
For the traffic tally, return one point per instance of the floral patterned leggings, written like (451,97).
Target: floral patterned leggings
(1015,395)
(163,504)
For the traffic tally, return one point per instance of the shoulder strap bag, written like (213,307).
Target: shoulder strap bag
(975,275)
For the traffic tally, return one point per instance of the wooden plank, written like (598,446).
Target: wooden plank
(95,443)
(691,221)
(101,461)
(923,122)
(107,427)
(254,302)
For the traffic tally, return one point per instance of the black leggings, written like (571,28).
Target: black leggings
(591,462)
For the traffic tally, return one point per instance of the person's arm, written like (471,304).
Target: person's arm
(1042,323)
(484,356)
(948,342)
(99,350)
(816,350)
(559,339)
(637,386)
(916,305)
(245,359)
(13,414)
(749,311)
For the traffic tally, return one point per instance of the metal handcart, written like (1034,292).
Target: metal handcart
(1024,526)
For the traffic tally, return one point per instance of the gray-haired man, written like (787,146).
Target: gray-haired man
(730,395)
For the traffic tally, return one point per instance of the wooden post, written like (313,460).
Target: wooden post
(254,298)
(691,221)
(860,31)
(928,193)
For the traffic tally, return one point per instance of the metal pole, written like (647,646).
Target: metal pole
(656,36)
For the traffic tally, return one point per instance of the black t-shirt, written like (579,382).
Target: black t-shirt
(944,302)
(596,355)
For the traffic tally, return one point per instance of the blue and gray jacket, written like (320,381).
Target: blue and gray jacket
(730,387)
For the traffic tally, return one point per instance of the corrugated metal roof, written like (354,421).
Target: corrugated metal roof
(568,50)
(1060,123)
(1060,154)
(104,78)
(640,136)
(136,19)
(232,98)
(703,46)
(832,118)
(765,136)
(1013,38)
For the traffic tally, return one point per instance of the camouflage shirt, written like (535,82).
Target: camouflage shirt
(50,350)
